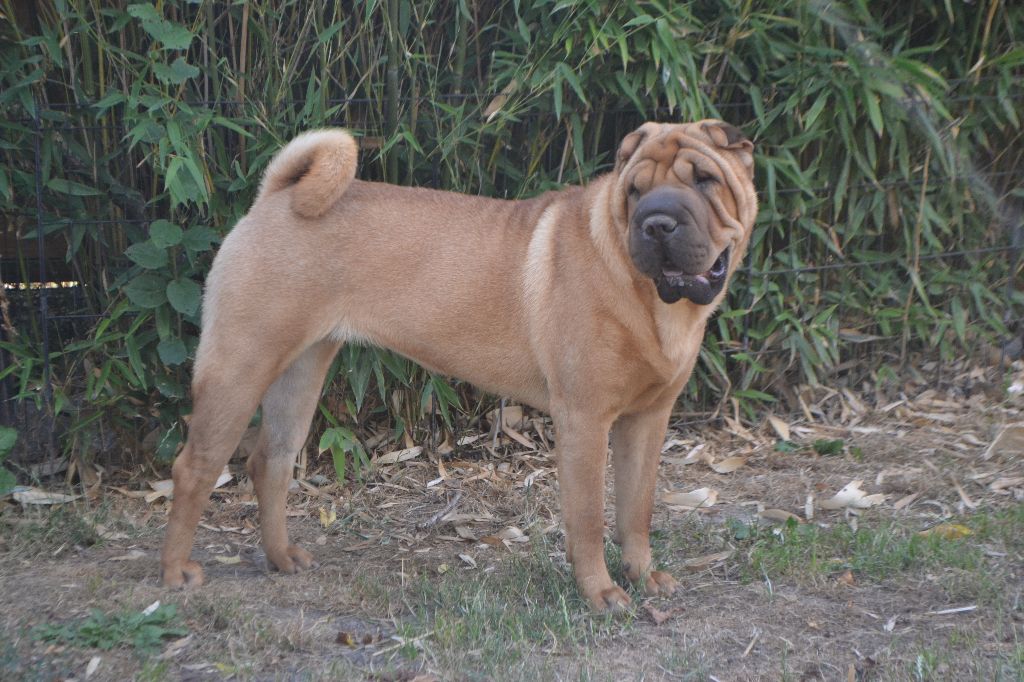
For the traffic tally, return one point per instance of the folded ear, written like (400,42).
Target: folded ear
(630,143)
(730,137)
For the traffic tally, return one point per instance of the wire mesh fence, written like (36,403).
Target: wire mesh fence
(819,288)
(47,297)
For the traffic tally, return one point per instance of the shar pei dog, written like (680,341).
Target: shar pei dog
(589,303)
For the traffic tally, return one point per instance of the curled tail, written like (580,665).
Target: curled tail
(318,166)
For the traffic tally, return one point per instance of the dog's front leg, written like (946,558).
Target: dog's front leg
(582,456)
(636,449)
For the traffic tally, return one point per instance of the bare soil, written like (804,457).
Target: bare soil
(370,611)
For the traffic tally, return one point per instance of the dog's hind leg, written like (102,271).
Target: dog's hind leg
(225,396)
(288,408)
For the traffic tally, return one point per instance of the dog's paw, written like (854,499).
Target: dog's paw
(609,600)
(293,560)
(659,583)
(188,574)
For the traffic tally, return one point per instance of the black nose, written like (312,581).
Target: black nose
(659,224)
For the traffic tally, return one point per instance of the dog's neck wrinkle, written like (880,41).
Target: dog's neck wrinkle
(646,316)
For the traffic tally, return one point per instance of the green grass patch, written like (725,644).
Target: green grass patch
(877,552)
(47,530)
(501,623)
(139,630)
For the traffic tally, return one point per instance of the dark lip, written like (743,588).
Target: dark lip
(700,289)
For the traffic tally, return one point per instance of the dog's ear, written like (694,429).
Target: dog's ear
(730,137)
(630,143)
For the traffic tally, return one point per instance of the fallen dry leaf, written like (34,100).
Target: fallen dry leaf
(780,515)
(227,560)
(963,496)
(702,563)
(165,488)
(659,616)
(465,532)
(905,500)
(846,578)
(513,534)
(702,497)
(947,612)
(734,426)
(106,534)
(852,496)
(780,427)
(42,497)
(1009,443)
(130,556)
(696,454)
(729,465)
(1001,484)
(470,561)
(175,648)
(396,456)
(511,419)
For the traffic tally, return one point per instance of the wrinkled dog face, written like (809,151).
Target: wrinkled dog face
(688,196)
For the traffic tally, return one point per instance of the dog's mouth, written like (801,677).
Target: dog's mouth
(701,288)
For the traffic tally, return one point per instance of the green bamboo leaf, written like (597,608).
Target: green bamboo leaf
(874,111)
(77,189)
(135,360)
(641,20)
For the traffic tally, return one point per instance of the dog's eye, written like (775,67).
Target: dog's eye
(701,177)
(634,192)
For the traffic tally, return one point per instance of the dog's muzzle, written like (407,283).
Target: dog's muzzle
(670,242)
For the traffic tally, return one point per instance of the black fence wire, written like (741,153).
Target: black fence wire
(32,294)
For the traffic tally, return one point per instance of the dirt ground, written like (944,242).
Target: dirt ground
(453,568)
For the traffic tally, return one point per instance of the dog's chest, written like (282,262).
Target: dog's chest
(680,334)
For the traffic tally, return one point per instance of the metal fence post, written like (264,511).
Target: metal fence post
(44,312)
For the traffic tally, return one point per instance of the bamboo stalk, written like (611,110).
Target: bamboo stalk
(391,102)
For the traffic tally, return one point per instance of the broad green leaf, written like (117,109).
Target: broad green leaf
(199,238)
(7,481)
(177,73)
(8,437)
(172,351)
(147,290)
(172,36)
(185,295)
(147,254)
(164,233)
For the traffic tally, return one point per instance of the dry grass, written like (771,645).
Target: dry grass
(402,591)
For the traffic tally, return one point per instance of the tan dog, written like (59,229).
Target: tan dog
(589,303)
